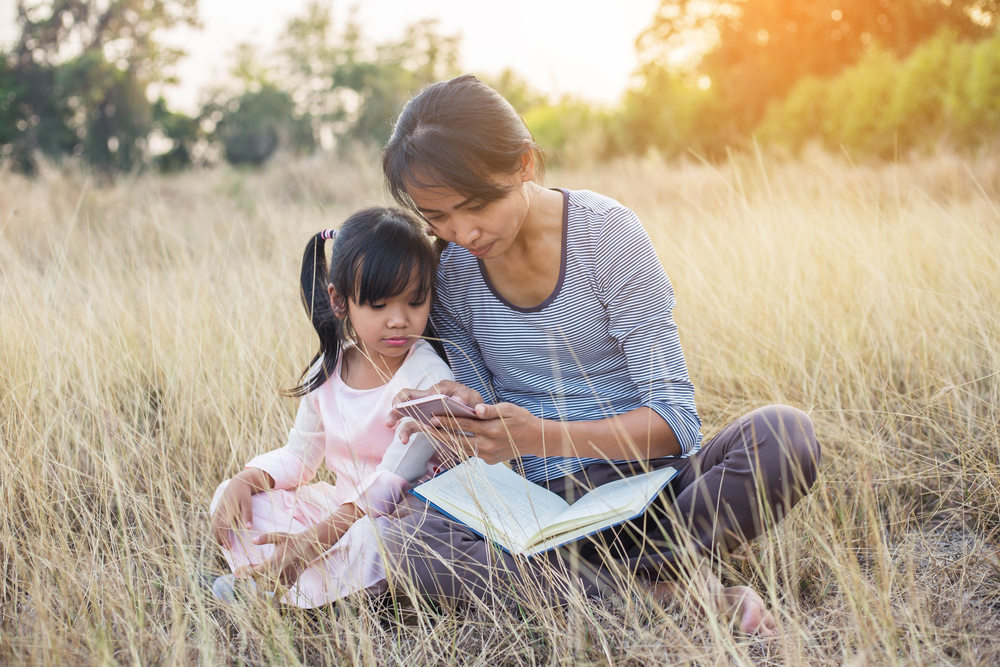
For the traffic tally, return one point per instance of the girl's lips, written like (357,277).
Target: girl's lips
(396,342)
(482,251)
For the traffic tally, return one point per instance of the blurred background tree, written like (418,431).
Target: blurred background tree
(352,89)
(75,81)
(876,77)
(750,54)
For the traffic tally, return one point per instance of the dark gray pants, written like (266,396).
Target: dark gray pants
(745,478)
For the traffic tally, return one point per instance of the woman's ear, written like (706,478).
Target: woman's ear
(528,165)
(337,303)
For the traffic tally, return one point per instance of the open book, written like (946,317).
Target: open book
(527,519)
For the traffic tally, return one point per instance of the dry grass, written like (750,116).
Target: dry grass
(147,326)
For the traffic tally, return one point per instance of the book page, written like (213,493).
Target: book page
(501,499)
(614,497)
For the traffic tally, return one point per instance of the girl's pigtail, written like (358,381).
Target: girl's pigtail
(316,299)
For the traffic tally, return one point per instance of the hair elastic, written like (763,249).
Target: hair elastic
(328,233)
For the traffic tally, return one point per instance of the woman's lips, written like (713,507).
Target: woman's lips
(396,342)
(482,251)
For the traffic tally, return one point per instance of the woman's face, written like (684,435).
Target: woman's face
(486,229)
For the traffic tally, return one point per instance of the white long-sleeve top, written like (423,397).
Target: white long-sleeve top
(346,428)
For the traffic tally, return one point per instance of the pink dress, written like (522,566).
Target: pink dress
(346,428)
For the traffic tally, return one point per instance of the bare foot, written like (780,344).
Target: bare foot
(736,603)
(746,607)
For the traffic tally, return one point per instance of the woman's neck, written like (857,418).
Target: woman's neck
(360,370)
(542,221)
(528,272)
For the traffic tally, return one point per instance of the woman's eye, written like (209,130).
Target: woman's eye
(480,206)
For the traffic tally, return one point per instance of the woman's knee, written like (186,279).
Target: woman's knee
(792,432)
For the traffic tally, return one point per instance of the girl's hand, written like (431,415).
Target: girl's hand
(503,431)
(234,510)
(292,553)
(457,391)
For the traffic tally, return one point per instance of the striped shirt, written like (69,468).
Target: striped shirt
(602,344)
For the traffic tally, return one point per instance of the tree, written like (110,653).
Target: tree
(78,74)
(351,89)
(754,51)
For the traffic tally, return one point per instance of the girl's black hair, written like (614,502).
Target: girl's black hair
(458,134)
(375,253)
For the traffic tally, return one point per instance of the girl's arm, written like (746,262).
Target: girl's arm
(379,494)
(283,468)
(234,505)
(296,463)
(294,552)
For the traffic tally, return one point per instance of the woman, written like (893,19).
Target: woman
(557,318)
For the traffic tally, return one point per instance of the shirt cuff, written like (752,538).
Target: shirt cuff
(687,438)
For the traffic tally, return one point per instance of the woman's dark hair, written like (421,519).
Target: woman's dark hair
(458,134)
(375,253)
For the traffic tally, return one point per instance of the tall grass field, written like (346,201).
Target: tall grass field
(147,327)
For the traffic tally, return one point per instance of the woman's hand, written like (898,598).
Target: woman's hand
(503,431)
(292,553)
(234,508)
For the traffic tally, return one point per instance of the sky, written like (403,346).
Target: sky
(584,48)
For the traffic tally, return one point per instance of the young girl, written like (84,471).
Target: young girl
(561,320)
(370,311)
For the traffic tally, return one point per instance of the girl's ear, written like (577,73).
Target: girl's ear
(337,303)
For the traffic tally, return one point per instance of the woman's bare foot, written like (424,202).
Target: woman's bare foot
(746,607)
(740,604)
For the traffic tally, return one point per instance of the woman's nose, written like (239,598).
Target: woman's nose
(468,236)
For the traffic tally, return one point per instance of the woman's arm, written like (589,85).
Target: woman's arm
(639,301)
(506,431)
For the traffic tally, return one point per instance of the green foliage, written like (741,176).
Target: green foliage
(516,90)
(114,118)
(946,91)
(757,51)
(33,119)
(181,130)
(254,125)
(570,132)
(75,81)
(981,93)
(671,114)
(353,90)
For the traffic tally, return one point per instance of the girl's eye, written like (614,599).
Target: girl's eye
(417,304)
(377,306)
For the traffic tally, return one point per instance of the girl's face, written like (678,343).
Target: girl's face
(486,229)
(388,328)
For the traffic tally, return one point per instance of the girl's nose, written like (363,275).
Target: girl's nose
(397,319)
